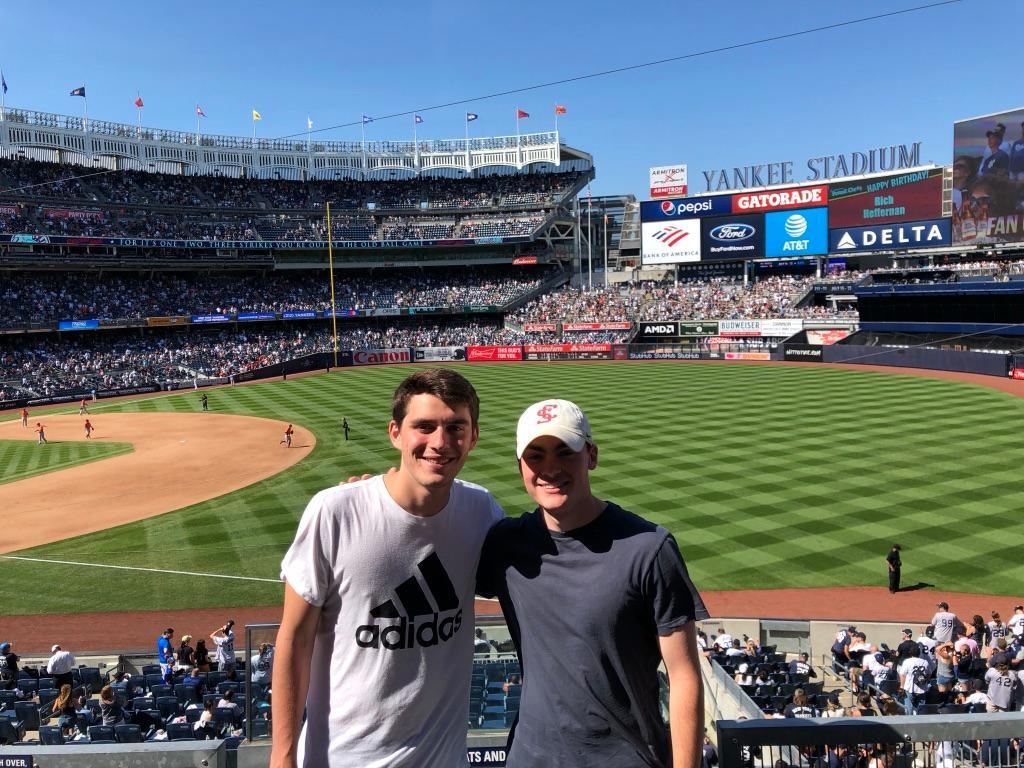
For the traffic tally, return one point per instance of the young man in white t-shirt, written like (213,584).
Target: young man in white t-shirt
(376,639)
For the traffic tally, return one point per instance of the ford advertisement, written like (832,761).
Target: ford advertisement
(732,237)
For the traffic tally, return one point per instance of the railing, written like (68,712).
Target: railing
(945,741)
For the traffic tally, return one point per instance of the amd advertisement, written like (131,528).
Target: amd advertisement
(915,196)
(988,179)
(723,238)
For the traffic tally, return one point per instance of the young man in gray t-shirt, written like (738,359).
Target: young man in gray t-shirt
(596,598)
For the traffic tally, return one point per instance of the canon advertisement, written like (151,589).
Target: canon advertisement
(381,356)
(732,237)
(670,243)
(988,179)
(914,196)
(889,237)
(800,233)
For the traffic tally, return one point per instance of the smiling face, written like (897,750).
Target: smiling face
(434,440)
(558,480)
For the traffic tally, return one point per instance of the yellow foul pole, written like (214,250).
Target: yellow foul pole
(330,261)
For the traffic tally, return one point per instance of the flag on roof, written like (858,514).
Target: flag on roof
(417,119)
(78,92)
(559,109)
(256,115)
(309,123)
(367,119)
(3,81)
(138,102)
(199,111)
(470,116)
(520,114)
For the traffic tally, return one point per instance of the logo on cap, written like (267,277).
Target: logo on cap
(547,413)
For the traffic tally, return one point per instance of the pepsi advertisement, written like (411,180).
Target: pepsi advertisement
(796,233)
(685,208)
(724,238)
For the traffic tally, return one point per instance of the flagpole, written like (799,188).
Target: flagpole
(362,142)
(590,241)
(198,118)
(604,240)
(254,130)
(556,118)
(519,151)
(330,262)
(85,113)
(138,111)
(309,130)
(467,143)
(415,146)
(3,96)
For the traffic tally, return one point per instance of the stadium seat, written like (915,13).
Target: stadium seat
(50,735)
(226,686)
(101,734)
(46,682)
(7,699)
(28,713)
(150,669)
(160,690)
(47,696)
(141,702)
(167,706)
(214,697)
(192,715)
(186,693)
(260,729)
(11,731)
(153,679)
(148,718)
(91,678)
(180,732)
(226,717)
(128,734)
(28,684)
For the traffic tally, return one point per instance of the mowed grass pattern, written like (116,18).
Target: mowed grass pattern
(21,459)
(768,477)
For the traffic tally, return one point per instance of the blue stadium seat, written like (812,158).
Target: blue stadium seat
(46,682)
(141,702)
(180,732)
(150,669)
(50,735)
(91,678)
(160,690)
(186,693)
(101,734)
(152,679)
(226,686)
(260,729)
(167,706)
(226,717)
(128,734)
(28,714)
(7,699)
(11,731)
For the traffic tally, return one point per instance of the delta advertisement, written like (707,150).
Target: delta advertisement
(670,243)
(732,237)
(915,196)
(888,237)
(988,179)
(796,233)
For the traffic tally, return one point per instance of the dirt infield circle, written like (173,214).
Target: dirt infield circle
(178,460)
(184,459)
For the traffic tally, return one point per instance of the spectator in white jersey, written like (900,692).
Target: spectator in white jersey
(996,630)
(1016,622)
(946,623)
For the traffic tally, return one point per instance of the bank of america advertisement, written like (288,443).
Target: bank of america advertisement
(988,179)
(670,242)
(912,196)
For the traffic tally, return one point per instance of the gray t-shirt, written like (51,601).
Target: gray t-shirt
(586,609)
(1000,687)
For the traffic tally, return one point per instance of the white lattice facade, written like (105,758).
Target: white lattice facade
(51,137)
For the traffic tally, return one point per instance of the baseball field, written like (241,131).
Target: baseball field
(769,476)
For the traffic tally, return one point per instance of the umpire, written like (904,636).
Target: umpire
(894,563)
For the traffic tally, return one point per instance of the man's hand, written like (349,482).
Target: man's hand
(367,476)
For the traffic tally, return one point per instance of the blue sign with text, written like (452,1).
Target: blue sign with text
(933,233)
(78,325)
(802,232)
(685,208)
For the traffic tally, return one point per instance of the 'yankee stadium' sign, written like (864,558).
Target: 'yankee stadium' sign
(893,158)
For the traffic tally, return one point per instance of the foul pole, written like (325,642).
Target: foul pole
(330,262)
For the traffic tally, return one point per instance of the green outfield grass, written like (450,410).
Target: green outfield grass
(768,476)
(22,458)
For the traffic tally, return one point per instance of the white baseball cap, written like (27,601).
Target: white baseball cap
(558,418)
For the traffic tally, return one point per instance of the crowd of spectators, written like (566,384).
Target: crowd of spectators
(45,297)
(31,179)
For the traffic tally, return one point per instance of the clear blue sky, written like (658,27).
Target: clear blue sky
(885,82)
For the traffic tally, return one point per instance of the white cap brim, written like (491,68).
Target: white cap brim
(564,421)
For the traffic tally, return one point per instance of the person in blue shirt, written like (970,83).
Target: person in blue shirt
(165,654)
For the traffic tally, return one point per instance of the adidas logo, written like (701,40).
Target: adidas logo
(407,632)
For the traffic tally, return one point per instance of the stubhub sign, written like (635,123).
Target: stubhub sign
(796,233)
(685,208)
(887,237)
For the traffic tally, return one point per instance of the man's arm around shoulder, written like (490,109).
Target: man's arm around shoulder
(292,655)
(686,695)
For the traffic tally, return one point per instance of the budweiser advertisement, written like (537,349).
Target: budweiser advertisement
(494,353)
(524,260)
(381,356)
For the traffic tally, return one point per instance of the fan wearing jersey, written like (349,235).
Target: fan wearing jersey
(946,623)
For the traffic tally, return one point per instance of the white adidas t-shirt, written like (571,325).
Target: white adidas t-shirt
(389,679)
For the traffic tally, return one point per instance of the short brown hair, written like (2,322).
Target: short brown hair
(452,388)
